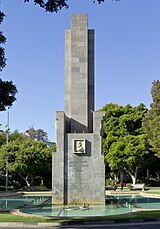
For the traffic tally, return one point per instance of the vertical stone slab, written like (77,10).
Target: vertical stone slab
(79,71)
(99,155)
(58,161)
(90,79)
(79,74)
(67,73)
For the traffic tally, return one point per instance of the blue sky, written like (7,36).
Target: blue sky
(127,56)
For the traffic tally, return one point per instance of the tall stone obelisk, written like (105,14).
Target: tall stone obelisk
(78,164)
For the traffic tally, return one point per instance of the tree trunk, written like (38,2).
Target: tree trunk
(133,179)
(25,179)
(147,173)
(133,176)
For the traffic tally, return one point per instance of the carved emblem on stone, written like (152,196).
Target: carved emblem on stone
(79,146)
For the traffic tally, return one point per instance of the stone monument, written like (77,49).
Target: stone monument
(78,164)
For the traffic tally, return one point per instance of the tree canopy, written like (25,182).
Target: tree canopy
(2,42)
(120,121)
(129,154)
(125,144)
(7,94)
(38,135)
(29,159)
(55,5)
(7,89)
(151,123)
(16,135)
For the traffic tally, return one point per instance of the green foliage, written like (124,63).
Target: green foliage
(155,92)
(38,135)
(151,123)
(7,89)
(29,159)
(2,42)
(2,138)
(16,135)
(42,187)
(151,182)
(125,145)
(51,5)
(128,153)
(54,148)
(120,121)
(109,182)
(7,94)
(56,5)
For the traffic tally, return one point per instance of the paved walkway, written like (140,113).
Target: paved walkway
(72,224)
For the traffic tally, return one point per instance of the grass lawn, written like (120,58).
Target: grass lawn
(8,217)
